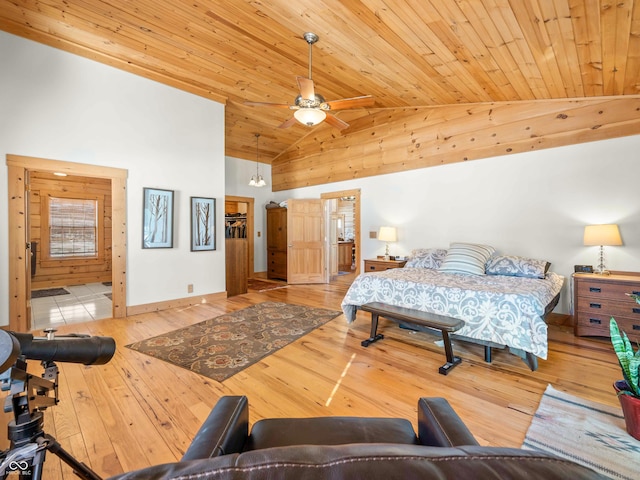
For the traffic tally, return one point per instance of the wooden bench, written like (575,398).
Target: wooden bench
(415,320)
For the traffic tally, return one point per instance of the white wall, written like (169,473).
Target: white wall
(533,204)
(238,172)
(55,105)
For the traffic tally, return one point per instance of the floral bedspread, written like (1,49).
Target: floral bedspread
(501,309)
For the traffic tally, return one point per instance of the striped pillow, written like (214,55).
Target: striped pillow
(467,258)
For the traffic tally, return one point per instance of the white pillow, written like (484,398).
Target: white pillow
(467,258)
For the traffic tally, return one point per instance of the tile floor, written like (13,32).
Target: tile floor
(84,303)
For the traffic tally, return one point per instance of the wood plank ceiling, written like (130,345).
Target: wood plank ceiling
(415,57)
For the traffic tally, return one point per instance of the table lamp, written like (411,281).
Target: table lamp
(387,234)
(602,235)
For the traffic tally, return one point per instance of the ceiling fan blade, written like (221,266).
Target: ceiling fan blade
(288,123)
(355,102)
(336,122)
(306,88)
(266,104)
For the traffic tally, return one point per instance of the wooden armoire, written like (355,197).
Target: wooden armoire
(277,243)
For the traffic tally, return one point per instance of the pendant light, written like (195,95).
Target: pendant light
(257,180)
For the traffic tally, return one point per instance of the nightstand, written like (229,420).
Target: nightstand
(380,264)
(597,298)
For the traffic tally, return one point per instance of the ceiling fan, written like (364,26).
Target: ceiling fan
(311,108)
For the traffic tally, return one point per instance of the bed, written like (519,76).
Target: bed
(501,309)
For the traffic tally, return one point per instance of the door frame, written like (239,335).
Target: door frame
(17,169)
(356,219)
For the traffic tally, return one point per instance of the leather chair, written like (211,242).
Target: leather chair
(351,447)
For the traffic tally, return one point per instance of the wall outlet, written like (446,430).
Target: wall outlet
(373,234)
(190,288)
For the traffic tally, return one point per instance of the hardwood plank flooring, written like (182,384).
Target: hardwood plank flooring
(137,411)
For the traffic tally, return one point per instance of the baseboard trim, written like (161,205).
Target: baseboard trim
(177,303)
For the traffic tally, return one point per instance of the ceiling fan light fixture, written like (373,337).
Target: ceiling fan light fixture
(310,116)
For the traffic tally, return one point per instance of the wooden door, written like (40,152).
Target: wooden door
(305,242)
(236,271)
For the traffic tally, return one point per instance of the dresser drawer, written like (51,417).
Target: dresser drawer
(607,290)
(276,264)
(593,324)
(598,298)
(598,325)
(613,308)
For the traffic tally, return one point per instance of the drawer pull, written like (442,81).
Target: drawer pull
(595,320)
(595,289)
(636,310)
(372,267)
(595,305)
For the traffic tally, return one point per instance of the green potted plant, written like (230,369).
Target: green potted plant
(628,390)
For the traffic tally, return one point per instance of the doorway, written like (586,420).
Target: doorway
(18,168)
(239,243)
(345,235)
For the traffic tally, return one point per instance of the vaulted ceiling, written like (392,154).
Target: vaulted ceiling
(420,53)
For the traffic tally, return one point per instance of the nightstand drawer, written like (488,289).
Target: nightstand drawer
(380,265)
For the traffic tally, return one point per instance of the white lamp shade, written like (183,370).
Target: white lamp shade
(309,116)
(388,234)
(602,235)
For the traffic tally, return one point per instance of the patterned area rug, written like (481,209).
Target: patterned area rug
(49,292)
(586,432)
(221,347)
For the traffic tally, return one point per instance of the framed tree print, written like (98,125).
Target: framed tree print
(157,218)
(203,224)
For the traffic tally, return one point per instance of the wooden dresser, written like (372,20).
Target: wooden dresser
(277,243)
(597,298)
(380,264)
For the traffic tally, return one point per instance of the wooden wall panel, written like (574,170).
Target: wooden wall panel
(72,272)
(396,140)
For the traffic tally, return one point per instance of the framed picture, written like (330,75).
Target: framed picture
(203,224)
(157,218)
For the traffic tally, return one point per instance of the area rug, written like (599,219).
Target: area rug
(49,292)
(586,432)
(262,286)
(221,347)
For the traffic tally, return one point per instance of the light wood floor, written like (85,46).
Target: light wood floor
(137,411)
